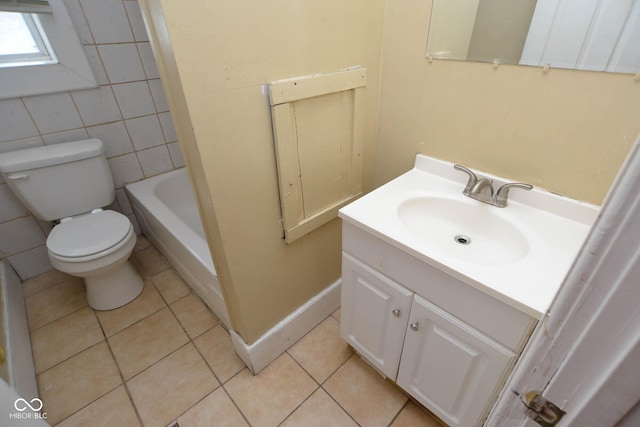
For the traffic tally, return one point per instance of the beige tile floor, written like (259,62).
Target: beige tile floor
(164,358)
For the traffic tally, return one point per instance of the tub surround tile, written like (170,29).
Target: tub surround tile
(172,386)
(122,62)
(319,411)
(193,315)
(135,18)
(10,206)
(169,130)
(217,349)
(59,340)
(97,106)
(414,416)
(169,283)
(53,112)
(114,136)
(321,351)
(147,303)
(176,154)
(155,160)
(364,394)
(108,21)
(269,397)
(15,121)
(95,62)
(140,346)
(148,61)
(66,136)
(76,382)
(31,263)
(117,407)
(134,99)
(56,302)
(216,406)
(20,234)
(151,261)
(157,92)
(125,169)
(20,144)
(145,132)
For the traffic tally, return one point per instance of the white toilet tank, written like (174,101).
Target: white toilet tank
(60,180)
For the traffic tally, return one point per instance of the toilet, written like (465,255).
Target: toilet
(70,183)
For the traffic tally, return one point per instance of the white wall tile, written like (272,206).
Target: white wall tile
(54,112)
(20,144)
(125,169)
(176,154)
(97,106)
(122,62)
(79,21)
(10,206)
(134,99)
(148,60)
(157,92)
(123,201)
(108,21)
(145,131)
(31,263)
(155,160)
(95,62)
(167,127)
(114,136)
(135,18)
(20,234)
(66,136)
(15,122)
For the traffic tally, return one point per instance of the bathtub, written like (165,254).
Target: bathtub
(18,371)
(165,207)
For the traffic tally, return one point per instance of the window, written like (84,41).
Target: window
(23,41)
(40,52)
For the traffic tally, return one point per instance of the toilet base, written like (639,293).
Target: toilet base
(114,289)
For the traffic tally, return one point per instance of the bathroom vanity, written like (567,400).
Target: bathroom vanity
(441,292)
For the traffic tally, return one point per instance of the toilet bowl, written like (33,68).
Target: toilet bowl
(70,182)
(96,247)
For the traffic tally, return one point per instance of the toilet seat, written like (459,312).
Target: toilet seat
(89,236)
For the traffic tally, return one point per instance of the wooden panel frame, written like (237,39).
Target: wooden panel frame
(283,94)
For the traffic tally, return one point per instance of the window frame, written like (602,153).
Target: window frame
(71,72)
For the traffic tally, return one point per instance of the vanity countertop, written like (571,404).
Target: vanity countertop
(519,254)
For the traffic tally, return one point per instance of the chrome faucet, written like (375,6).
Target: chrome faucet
(481,189)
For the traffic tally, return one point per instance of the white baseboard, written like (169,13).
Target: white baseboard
(278,339)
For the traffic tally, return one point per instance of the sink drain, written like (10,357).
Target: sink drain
(462,239)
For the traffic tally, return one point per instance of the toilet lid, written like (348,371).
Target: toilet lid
(88,234)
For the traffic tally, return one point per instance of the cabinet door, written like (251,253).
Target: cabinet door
(374,315)
(449,367)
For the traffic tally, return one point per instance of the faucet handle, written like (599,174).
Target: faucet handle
(473,179)
(502,195)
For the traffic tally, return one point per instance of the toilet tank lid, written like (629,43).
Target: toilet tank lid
(39,157)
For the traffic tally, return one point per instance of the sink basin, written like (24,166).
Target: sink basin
(468,230)
(519,254)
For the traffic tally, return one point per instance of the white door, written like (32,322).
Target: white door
(450,367)
(374,314)
(585,355)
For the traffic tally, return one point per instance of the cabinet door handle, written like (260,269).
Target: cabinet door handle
(396,313)
(414,326)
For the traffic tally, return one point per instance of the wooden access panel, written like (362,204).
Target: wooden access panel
(318,129)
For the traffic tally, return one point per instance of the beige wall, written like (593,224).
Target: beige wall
(566,131)
(217,56)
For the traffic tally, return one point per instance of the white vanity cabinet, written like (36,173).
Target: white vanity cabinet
(447,344)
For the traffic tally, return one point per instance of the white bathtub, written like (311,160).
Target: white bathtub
(18,371)
(166,209)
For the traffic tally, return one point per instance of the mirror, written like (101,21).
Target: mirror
(596,35)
